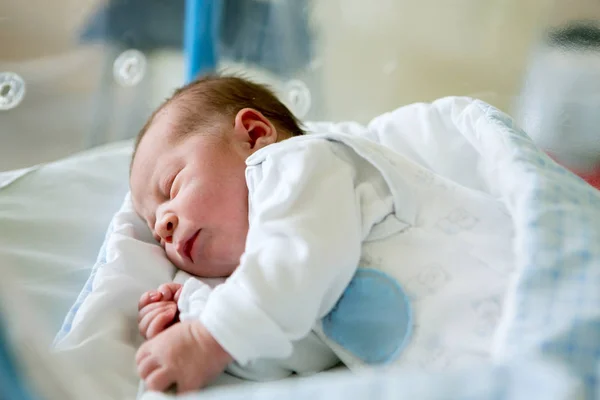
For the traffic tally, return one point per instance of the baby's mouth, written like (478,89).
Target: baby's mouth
(189,245)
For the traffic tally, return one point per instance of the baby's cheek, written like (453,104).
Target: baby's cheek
(194,204)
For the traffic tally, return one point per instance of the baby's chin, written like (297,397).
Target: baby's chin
(205,270)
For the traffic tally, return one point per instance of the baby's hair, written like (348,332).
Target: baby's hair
(211,98)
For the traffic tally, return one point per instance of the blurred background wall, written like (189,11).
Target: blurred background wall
(365,58)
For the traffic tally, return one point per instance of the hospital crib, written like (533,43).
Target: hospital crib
(79,78)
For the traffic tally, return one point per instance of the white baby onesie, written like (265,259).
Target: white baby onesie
(323,205)
(312,202)
(310,354)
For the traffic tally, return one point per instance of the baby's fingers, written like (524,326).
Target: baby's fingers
(150,308)
(146,366)
(145,322)
(178,294)
(161,321)
(141,354)
(155,376)
(149,297)
(156,320)
(168,290)
(159,380)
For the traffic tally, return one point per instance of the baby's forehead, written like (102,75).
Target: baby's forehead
(167,122)
(175,122)
(155,143)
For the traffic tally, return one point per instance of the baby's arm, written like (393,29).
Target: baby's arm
(191,304)
(192,300)
(302,249)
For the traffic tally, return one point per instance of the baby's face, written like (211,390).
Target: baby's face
(192,192)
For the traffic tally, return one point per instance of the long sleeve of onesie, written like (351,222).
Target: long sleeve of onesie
(302,249)
(310,354)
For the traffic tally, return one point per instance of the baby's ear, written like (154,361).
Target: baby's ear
(254,128)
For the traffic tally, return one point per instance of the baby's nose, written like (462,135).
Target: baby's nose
(166,227)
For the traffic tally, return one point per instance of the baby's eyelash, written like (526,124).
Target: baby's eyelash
(169,186)
(171,195)
(172,192)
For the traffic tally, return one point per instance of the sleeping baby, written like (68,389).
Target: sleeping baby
(233,189)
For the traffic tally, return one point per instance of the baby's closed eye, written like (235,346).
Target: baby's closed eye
(174,188)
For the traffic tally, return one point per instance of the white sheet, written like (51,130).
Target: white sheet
(52,222)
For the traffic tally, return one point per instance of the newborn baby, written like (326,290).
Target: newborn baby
(232,188)
(188,182)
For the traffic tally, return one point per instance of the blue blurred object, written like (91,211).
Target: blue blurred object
(202,19)
(11,386)
(273,35)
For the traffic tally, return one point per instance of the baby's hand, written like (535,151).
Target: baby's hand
(158,309)
(184,355)
(165,292)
